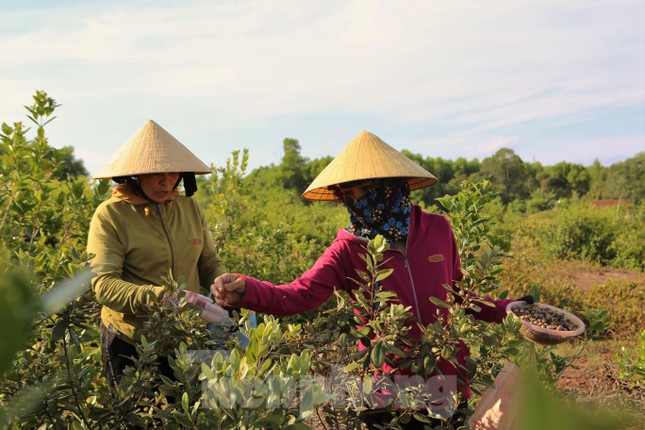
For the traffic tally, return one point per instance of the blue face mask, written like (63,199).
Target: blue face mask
(384,210)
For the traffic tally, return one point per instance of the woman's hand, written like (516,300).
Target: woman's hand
(228,289)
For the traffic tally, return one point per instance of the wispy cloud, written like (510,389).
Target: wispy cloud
(474,70)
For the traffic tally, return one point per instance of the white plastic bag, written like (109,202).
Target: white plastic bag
(499,404)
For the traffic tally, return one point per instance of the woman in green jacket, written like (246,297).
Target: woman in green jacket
(143,232)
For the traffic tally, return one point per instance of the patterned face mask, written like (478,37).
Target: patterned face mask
(384,210)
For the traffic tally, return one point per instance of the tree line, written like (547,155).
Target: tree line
(513,178)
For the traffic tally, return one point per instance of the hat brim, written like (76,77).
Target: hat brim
(152,150)
(367,157)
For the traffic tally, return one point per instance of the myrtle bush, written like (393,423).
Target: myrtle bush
(608,236)
(623,301)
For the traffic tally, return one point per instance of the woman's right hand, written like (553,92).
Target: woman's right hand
(228,289)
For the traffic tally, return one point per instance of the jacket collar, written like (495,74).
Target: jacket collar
(126,193)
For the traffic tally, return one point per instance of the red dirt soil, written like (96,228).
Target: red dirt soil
(586,279)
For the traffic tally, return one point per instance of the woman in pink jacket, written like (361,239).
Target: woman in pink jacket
(373,180)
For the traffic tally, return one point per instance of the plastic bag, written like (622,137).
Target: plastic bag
(499,404)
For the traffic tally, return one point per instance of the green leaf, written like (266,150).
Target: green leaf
(363,275)
(490,340)
(351,366)
(422,418)
(429,363)
(438,302)
(511,352)
(378,354)
(76,425)
(386,295)
(382,274)
(446,352)
(364,332)
(185,404)
(181,419)
(393,349)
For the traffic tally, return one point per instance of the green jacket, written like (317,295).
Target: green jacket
(135,243)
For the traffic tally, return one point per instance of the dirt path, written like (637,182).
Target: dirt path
(585,279)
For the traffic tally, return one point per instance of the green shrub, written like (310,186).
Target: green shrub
(585,234)
(581,232)
(629,245)
(623,301)
(505,219)
(266,233)
(541,201)
(523,273)
(598,323)
(632,369)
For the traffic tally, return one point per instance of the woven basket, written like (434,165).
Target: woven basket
(545,336)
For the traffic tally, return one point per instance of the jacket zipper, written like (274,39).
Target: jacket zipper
(414,289)
(165,230)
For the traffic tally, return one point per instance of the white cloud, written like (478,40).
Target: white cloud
(491,145)
(586,150)
(470,69)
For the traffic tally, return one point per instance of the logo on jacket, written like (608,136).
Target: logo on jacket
(435,258)
(196,241)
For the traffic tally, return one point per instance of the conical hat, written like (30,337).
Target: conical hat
(151,150)
(367,157)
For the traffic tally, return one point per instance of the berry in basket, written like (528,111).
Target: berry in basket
(545,324)
(544,317)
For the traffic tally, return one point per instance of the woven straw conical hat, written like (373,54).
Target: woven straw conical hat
(151,150)
(367,157)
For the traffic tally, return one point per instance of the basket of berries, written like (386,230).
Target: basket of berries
(545,324)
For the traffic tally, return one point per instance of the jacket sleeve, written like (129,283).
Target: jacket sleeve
(209,265)
(307,292)
(106,263)
(493,314)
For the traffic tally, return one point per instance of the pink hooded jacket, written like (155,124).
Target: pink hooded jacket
(431,260)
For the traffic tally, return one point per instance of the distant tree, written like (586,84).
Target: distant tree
(314,167)
(626,180)
(40,113)
(268,176)
(507,172)
(533,171)
(563,179)
(442,169)
(291,174)
(598,181)
(293,166)
(73,166)
(465,167)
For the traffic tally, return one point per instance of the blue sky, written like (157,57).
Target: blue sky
(552,80)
